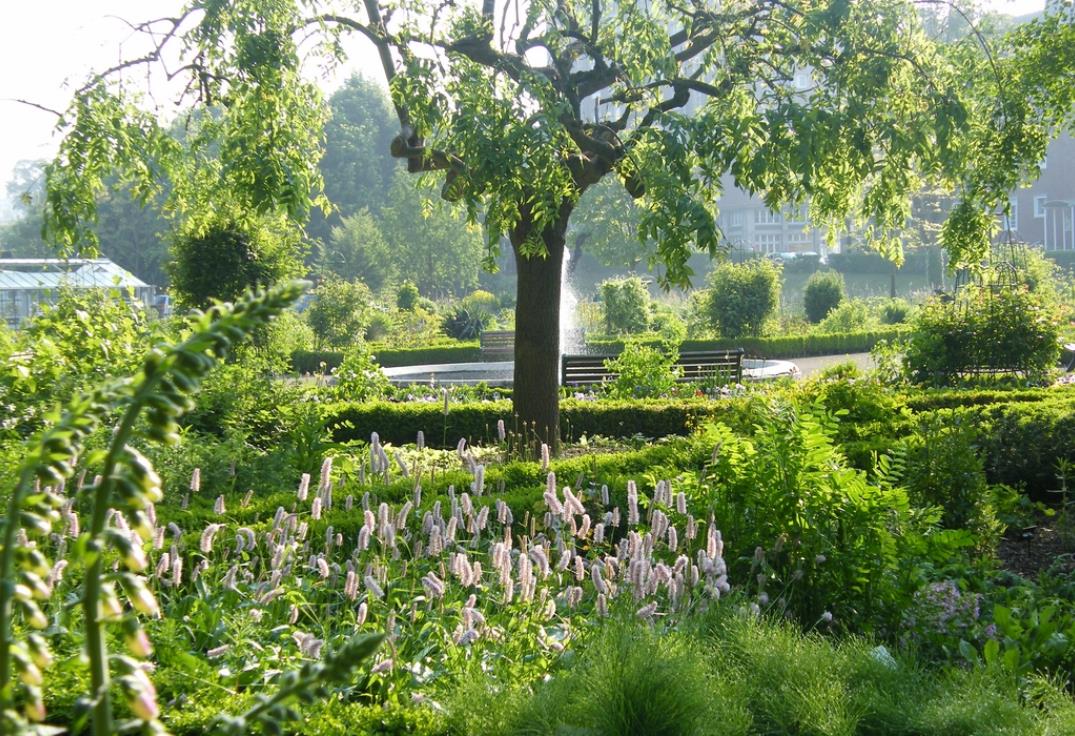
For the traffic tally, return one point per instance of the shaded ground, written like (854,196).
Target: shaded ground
(1034,549)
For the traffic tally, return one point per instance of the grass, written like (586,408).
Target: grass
(731,674)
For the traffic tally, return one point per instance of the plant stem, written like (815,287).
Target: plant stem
(96,646)
(7,583)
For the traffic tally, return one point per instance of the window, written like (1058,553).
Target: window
(1039,205)
(768,243)
(767,217)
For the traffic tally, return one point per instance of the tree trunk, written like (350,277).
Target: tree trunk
(536,389)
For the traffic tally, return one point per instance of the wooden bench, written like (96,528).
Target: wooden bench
(497,345)
(695,367)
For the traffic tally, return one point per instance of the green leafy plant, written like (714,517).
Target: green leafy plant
(125,488)
(642,372)
(743,296)
(626,305)
(823,293)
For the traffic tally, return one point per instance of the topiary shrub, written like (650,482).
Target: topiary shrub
(626,305)
(823,293)
(743,296)
(407,296)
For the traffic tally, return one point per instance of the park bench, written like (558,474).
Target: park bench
(497,345)
(695,366)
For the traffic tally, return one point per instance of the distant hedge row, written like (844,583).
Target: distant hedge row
(782,347)
(400,423)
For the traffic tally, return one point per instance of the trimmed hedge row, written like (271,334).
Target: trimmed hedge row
(782,347)
(400,423)
(309,361)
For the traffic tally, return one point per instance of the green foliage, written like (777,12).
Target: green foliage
(823,293)
(626,305)
(631,680)
(454,352)
(787,492)
(340,312)
(85,337)
(942,469)
(356,250)
(400,423)
(895,312)
(125,487)
(985,330)
(358,377)
(783,346)
(850,315)
(743,296)
(244,253)
(473,314)
(642,372)
(407,296)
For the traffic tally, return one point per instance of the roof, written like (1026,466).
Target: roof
(51,273)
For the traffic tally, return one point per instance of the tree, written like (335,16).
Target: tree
(356,166)
(431,242)
(356,249)
(743,296)
(523,108)
(224,256)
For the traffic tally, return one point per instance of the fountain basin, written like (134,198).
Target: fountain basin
(501,373)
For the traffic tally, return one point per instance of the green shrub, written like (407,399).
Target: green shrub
(851,315)
(986,330)
(743,296)
(942,468)
(626,304)
(783,346)
(379,326)
(895,311)
(358,377)
(340,312)
(823,293)
(642,372)
(788,492)
(399,423)
(407,296)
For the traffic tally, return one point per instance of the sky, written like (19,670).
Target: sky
(49,47)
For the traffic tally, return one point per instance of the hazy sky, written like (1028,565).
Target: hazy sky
(48,47)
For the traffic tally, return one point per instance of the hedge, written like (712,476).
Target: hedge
(782,347)
(400,423)
(308,361)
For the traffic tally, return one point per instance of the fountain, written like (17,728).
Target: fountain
(571,337)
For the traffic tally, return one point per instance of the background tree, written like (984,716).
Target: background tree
(356,166)
(356,249)
(431,243)
(522,113)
